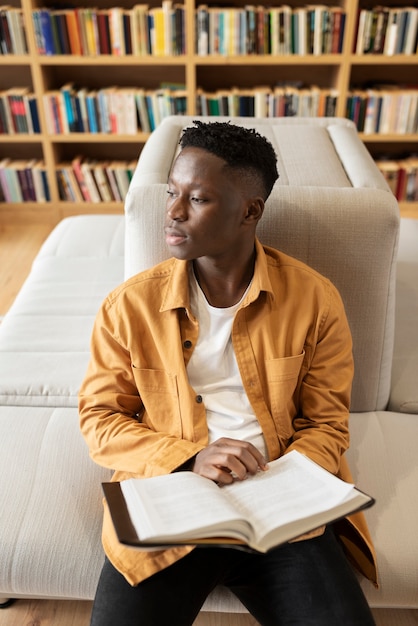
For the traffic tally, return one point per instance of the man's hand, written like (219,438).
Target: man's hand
(226,460)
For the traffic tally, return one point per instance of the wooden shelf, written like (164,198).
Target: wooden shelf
(112,61)
(383,138)
(42,73)
(89,138)
(269,59)
(383,59)
(409,209)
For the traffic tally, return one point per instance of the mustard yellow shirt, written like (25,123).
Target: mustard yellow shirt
(140,416)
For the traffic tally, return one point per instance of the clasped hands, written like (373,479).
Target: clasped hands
(226,460)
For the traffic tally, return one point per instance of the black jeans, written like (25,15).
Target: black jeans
(306,583)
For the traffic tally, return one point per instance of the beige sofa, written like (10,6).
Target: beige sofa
(330,208)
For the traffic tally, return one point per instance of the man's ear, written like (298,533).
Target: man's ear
(255,209)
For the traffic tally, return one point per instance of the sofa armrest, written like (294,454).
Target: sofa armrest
(404,392)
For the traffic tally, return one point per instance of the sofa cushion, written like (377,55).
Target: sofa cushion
(51,513)
(45,336)
(383,461)
(404,394)
(382,458)
(331,208)
(50,516)
(391,478)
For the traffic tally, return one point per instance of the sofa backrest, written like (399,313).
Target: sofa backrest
(330,208)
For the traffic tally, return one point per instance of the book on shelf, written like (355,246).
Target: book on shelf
(387,30)
(111,110)
(18,112)
(102,181)
(24,181)
(293,497)
(141,45)
(86,169)
(79,175)
(410,191)
(12,31)
(264,101)
(116,31)
(281,30)
(40,181)
(67,184)
(384,109)
(110,173)
(90,180)
(9,182)
(401,176)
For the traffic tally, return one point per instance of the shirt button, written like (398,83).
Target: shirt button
(187,344)
(199,399)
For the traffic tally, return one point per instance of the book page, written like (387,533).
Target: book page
(183,503)
(292,488)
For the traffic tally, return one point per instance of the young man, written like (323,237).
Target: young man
(224,357)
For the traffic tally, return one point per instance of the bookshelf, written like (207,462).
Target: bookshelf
(188,74)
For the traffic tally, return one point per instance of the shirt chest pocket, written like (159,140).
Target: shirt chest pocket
(158,390)
(282,379)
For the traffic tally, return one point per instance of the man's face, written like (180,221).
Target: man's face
(205,209)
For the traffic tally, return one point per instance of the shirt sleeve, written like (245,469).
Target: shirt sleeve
(110,410)
(321,425)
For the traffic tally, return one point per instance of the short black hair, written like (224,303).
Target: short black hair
(241,148)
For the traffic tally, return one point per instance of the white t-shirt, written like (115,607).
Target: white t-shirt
(213,373)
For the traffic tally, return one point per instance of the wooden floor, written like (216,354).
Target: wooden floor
(18,246)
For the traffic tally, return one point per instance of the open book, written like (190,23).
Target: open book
(294,496)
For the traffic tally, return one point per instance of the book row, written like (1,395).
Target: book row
(269,30)
(89,180)
(384,111)
(402,177)
(281,101)
(138,31)
(18,112)
(23,181)
(384,30)
(160,31)
(12,31)
(81,180)
(110,110)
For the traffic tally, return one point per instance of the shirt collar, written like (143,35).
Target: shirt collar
(177,296)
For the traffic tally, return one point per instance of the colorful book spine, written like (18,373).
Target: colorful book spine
(139,31)
(384,110)
(278,30)
(89,180)
(23,181)
(18,112)
(285,101)
(387,30)
(12,31)
(120,111)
